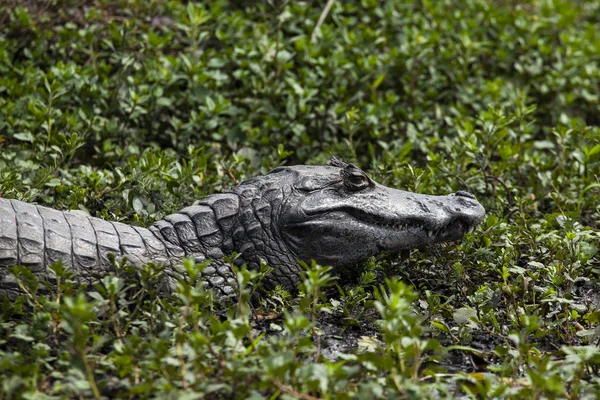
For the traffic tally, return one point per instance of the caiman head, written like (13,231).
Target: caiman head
(338,216)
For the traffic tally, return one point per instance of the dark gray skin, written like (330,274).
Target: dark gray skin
(334,214)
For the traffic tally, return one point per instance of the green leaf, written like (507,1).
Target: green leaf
(54,182)
(24,137)
(378,81)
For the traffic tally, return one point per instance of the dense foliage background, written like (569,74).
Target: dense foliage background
(131,109)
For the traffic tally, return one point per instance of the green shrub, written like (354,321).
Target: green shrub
(133,109)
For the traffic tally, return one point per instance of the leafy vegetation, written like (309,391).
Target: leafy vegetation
(131,109)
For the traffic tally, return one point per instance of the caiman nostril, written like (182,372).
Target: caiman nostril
(464,194)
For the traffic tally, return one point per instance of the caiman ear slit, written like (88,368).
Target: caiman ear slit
(334,162)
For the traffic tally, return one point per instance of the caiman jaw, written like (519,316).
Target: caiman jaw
(394,239)
(456,225)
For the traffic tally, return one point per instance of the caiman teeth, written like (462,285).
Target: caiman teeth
(429,232)
(405,227)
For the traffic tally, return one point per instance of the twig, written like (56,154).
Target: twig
(321,19)
(232,176)
(89,373)
(28,293)
(288,390)
(180,349)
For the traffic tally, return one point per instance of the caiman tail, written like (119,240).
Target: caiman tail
(36,237)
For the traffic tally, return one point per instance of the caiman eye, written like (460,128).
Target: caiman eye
(355,179)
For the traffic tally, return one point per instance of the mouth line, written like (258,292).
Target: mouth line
(409,225)
(455,225)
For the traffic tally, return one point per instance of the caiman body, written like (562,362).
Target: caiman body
(334,214)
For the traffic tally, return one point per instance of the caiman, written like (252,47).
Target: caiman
(334,214)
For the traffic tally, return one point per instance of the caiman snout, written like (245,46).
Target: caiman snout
(475,210)
(469,210)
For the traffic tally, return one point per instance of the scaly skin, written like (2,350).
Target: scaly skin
(334,214)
